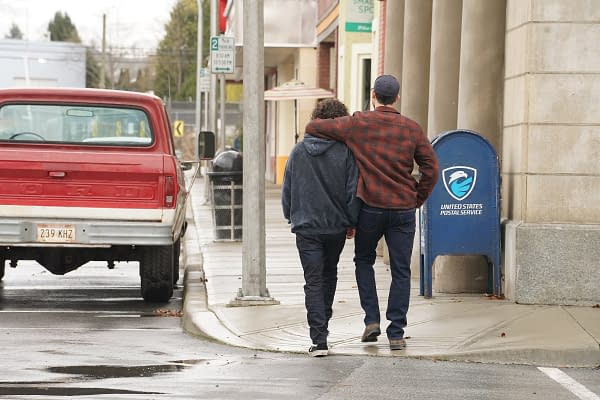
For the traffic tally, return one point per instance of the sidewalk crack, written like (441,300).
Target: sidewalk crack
(581,326)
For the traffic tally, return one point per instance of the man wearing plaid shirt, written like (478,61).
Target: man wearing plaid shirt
(386,145)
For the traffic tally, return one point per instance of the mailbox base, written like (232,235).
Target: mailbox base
(460,274)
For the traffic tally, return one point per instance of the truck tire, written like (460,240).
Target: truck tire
(2,266)
(176,253)
(156,273)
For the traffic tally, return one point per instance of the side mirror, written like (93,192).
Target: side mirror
(206,145)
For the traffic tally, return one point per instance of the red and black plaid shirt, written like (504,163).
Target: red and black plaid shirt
(385,144)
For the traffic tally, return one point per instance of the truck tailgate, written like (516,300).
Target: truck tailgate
(99,178)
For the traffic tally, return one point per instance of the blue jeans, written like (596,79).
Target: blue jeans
(398,227)
(319,255)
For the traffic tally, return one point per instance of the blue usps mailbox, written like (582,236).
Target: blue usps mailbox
(462,215)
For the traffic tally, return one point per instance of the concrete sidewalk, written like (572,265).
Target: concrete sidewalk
(446,327)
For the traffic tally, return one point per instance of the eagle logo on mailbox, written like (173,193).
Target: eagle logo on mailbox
(459,181)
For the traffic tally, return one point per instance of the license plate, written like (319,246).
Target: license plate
(56,233)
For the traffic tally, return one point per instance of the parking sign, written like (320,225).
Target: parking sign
(222,54)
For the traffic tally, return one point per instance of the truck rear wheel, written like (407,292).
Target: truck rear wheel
(2,265)
(156,273)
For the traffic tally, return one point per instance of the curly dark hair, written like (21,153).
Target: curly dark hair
(329,108)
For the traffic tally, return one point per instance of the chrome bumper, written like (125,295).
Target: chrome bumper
(91,233)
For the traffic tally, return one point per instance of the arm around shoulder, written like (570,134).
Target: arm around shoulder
(336,129)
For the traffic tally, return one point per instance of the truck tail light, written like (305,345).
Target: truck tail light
(169,191)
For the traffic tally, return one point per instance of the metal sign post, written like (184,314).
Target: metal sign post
(222,61)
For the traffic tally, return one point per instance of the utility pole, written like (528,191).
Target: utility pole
(254,288)
(103,63)
(198,69)
(214,9)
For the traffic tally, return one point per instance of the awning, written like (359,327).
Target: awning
(296,90)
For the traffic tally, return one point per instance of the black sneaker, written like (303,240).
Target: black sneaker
(318,350)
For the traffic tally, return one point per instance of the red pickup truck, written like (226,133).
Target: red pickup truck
(90,174)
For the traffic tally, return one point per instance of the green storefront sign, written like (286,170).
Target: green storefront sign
(359,15)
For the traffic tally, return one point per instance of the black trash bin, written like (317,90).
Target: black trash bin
(226,194)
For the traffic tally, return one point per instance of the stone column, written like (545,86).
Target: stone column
(443,90)
(415,56)
(392,61)
(415,77)
(444,66)
(480,98)
(394,38)
(481,68)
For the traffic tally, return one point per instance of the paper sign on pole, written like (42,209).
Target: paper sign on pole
(222,54)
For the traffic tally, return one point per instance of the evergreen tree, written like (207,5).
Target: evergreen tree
(61,29)
(92,69)
(14,32)
(124,81)
(144,81)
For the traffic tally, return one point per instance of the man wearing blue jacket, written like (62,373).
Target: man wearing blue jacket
(318,199)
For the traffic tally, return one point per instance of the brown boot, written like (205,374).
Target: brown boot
(371,332)
(397,344)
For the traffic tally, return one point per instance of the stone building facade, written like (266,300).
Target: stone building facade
(525,74)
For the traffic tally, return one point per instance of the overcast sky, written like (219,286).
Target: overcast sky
(129,23)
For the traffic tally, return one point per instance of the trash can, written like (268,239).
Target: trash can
(226,194)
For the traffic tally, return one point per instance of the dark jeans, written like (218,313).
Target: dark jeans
(398,227)
(319,255)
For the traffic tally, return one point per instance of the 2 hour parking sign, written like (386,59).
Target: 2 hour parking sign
(222,54)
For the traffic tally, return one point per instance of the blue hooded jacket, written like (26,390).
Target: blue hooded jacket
(319,187)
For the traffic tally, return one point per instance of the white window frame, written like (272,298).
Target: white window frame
(360,52)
